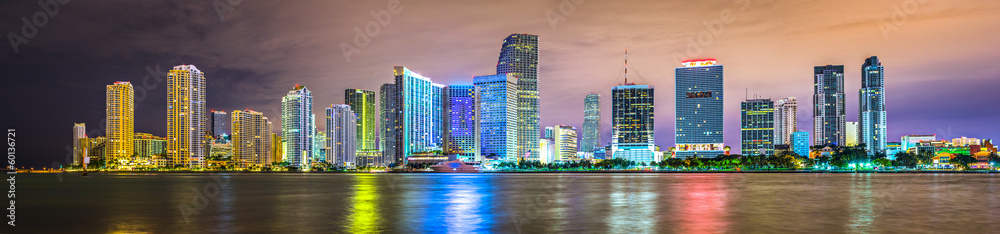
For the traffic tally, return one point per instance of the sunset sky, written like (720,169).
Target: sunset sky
(940,57)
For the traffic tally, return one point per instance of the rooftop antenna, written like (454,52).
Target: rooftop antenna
(626,66)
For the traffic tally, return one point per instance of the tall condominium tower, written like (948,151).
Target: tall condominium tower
(462,133)
(498,117)
(362,102)
(519,57)
(220,124)
(186,117)
(341,136)
(297,126)
(120,122)
(79,131)
(565,143)
(632,136)
(251,139)
(699,108)
(591,123)
(786,111)
(828,105)
(417,119)
(757,127)
(390,125)
(277,148)
(871,112)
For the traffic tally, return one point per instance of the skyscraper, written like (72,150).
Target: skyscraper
(220,124)
(591,123)
(186,117)
(565,143)
(417,120)
(341,136)
(390,125)
(850,133)
(632,136)
(800,143)
(757,127)
(277,149)
(828,105)
(297,126)
(120,122)
(362,102)
(251,139)
(462,133)
(786,113)
(871,110)
(79,131)
(519,57)
(699,98)
(498,113)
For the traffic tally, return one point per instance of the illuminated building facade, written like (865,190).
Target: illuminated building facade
(186,117)
(871,110)
(800,143)
(828,105)
(519,57)
(591,123)
(786,111)
(341,135)
(79,132)
(851,133)
(297,126)
(220,124)
(120,122)
(565,143)
(632,113)
(277,148)
(362,102)
(757,127)
(461,137)
(415,117)
(699,108)
(498,111)
(909,142)
(251,139)
(389,125)
(147,146)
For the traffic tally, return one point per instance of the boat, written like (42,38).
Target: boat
(457,166)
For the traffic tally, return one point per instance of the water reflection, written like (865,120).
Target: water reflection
(862,209)
(703,204)
(364,213)
(633,204)
(464,202)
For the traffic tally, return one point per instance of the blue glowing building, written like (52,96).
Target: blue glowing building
(699,107)
(498,116)
(462,131)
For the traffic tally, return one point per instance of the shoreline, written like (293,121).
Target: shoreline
(538,172)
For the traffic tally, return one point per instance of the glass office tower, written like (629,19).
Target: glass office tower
(699,107)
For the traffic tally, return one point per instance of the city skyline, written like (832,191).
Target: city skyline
(908,81)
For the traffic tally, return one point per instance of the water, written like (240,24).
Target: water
(509,203)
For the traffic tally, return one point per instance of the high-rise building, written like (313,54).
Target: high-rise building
(498,113)
(519,57)
(461,137)
(146,145)
(277,149)
(850,133)
(828,105)
(362,102)
(871,110)
(911,141)
(341,136)
(79,131)
(632,136)
(548,134)
(186,128)
(699,108)
(389,125)
(220,124)
(591,123)
(297,126)
(565,143)
(94,148)
(251,139)
(800,143)
(546,150)
(757,127)
(786,113)
(416,117)
(319,146)
(120,122)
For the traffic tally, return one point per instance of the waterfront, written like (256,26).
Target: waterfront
(529,203)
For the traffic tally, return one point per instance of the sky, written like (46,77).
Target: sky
(939,56)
